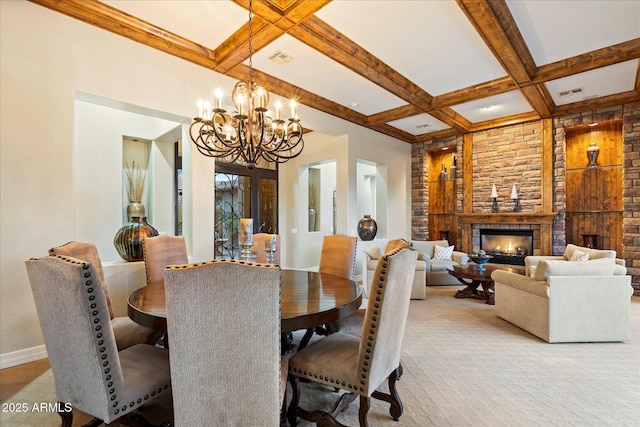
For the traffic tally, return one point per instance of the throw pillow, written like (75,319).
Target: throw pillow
(579,256)
(373,252)
(396,244)
(441,252)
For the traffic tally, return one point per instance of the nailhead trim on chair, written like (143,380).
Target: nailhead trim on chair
(98,336)
(372,331)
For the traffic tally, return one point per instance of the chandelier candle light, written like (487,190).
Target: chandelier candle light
(249,133)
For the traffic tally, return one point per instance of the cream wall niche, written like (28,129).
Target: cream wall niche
(100,180)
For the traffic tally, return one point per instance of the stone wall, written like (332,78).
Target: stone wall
(506,157)
(512,155)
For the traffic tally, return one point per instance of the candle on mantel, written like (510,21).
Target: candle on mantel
(246,230)
(494,192)
(514,193)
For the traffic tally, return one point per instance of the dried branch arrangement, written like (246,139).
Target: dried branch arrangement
(136,177)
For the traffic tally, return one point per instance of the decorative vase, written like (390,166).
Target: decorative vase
(128,240)
(367,228)
(312,219)
(135,208)
(592,153)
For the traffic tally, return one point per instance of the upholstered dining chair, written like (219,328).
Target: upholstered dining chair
(361,364)
(258,248)
(337,257)
(159,252)
(90,374)
(126,331)
(233,376)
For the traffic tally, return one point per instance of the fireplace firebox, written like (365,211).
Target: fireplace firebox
(507,246)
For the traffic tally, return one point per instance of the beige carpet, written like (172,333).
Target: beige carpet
(463,366)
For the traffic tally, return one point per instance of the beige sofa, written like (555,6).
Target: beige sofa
(568,301)
(428,271)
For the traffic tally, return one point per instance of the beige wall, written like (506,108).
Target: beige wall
(47,59)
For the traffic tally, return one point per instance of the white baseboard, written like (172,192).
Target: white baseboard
(15,358)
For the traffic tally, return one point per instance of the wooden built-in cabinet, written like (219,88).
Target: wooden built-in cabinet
(443,222)
(594,194)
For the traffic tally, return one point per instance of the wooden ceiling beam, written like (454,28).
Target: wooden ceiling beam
(589,61)
(473,93)
(494,23)
(394,114)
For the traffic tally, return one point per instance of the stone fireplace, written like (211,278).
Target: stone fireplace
(506,246)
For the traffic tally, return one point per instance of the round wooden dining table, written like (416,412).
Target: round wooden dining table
(308,299)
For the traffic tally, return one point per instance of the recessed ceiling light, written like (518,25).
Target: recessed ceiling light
(489,107)
(423,126)
(354,105)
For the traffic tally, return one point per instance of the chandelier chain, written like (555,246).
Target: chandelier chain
(250,44)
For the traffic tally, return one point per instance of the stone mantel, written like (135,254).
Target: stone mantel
(508,218)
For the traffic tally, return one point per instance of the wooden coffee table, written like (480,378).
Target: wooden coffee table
(474,276)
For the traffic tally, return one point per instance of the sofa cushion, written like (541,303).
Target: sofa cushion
(593,253)
(597,267)
(442,264)
(396,244)
(440,252)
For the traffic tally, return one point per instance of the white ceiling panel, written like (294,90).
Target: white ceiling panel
(206,22)
(559,29)
(604,81)
(505,104)
(445,54)
(316,73)
(416,125)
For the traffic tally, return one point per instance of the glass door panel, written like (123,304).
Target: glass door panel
(233,201)
(267,202)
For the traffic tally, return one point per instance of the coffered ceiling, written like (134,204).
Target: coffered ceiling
(414,70)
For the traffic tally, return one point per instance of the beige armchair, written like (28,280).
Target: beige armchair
(90,374)
(361,365)
(126,331)
(223,323)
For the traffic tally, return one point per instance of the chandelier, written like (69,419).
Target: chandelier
(249,133)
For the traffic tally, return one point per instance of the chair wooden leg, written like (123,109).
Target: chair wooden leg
(67,417)
(365,403)
(393,397)
(295,399)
